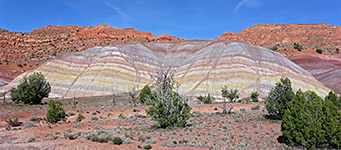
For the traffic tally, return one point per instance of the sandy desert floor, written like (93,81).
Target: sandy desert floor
(245,128)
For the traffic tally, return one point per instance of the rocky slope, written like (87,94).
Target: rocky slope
(20,52)
(325,67)
(200,67)
(319,35)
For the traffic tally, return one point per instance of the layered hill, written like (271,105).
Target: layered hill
(325,67)
(200,67)
(20,52)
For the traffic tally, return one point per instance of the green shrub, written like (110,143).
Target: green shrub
(15,122)
(279,97)
(311,122)
(80,118)
(145,94)
(255,107)
(297,46)
(31,140)
(167,107)
(56,112)
(117,140)
(274,48)
(319,51)
(205,99)
(147,147)
(337,50)
(95,138)
(254,96)
(71,136)
(32,89)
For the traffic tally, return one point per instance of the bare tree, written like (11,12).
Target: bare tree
(133,93)
(114,99)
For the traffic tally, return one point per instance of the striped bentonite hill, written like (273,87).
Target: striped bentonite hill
(200,67)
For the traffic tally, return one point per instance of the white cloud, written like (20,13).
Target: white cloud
(124,16)
(248,3)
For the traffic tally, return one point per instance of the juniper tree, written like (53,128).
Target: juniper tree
(279,97)
(32,89)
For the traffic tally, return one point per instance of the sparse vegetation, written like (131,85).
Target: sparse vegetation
(298,46)
(56,112)
(147,147)
(319,51)
(311,122)
(205,99)
(274,48)
(254,96)
(14,123)
(279,97)
(117,140)
(230,94)
(31,90)
(95,138)
(80,118)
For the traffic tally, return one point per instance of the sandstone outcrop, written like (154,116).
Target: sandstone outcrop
(200,67)
(266,35)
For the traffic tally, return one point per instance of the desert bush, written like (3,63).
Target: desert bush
(255,107)
(117,140)
(167,107)
(274,48)
(311,122)
(297,46)
(95,138)
(337,50)
(319,51)
(147,147)
(35,118)
(279,97)
(56,112)
(15,122)
(230,94)
(205,99)
(32,89)
(145,93)
(254,96)
(80,118)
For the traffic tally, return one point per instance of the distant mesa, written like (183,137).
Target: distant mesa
(200,67)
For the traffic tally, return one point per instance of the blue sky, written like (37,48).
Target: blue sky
(190,19)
